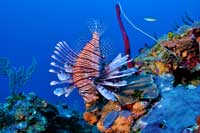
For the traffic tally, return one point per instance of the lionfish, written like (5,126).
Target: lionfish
(86,72)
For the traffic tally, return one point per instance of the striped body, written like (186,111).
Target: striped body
(82,71)
(87,68)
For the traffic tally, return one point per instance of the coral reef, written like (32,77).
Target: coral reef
(175,60)
(120,96)
(175,102)
(29,113)
(117,118)
(178,54)
(123,97)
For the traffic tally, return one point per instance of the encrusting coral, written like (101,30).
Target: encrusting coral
(121,124)
(117,118)
(29,113)
(179,53)
(139,108)
(90,117)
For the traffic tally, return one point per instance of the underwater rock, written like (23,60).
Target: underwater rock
(176,54)
(174,103)
(157,127)
(194,128)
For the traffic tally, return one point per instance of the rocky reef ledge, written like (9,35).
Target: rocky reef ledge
(28,113)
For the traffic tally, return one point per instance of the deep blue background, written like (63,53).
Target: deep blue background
(31,28)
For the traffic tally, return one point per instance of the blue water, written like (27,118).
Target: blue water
(31,28)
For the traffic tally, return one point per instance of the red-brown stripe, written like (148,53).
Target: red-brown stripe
(87,66)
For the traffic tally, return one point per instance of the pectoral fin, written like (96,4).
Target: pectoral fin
(109,95)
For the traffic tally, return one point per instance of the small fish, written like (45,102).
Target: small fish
(150,19)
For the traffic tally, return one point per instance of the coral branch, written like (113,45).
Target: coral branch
(17,77)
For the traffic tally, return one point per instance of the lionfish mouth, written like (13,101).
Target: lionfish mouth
(82,71)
